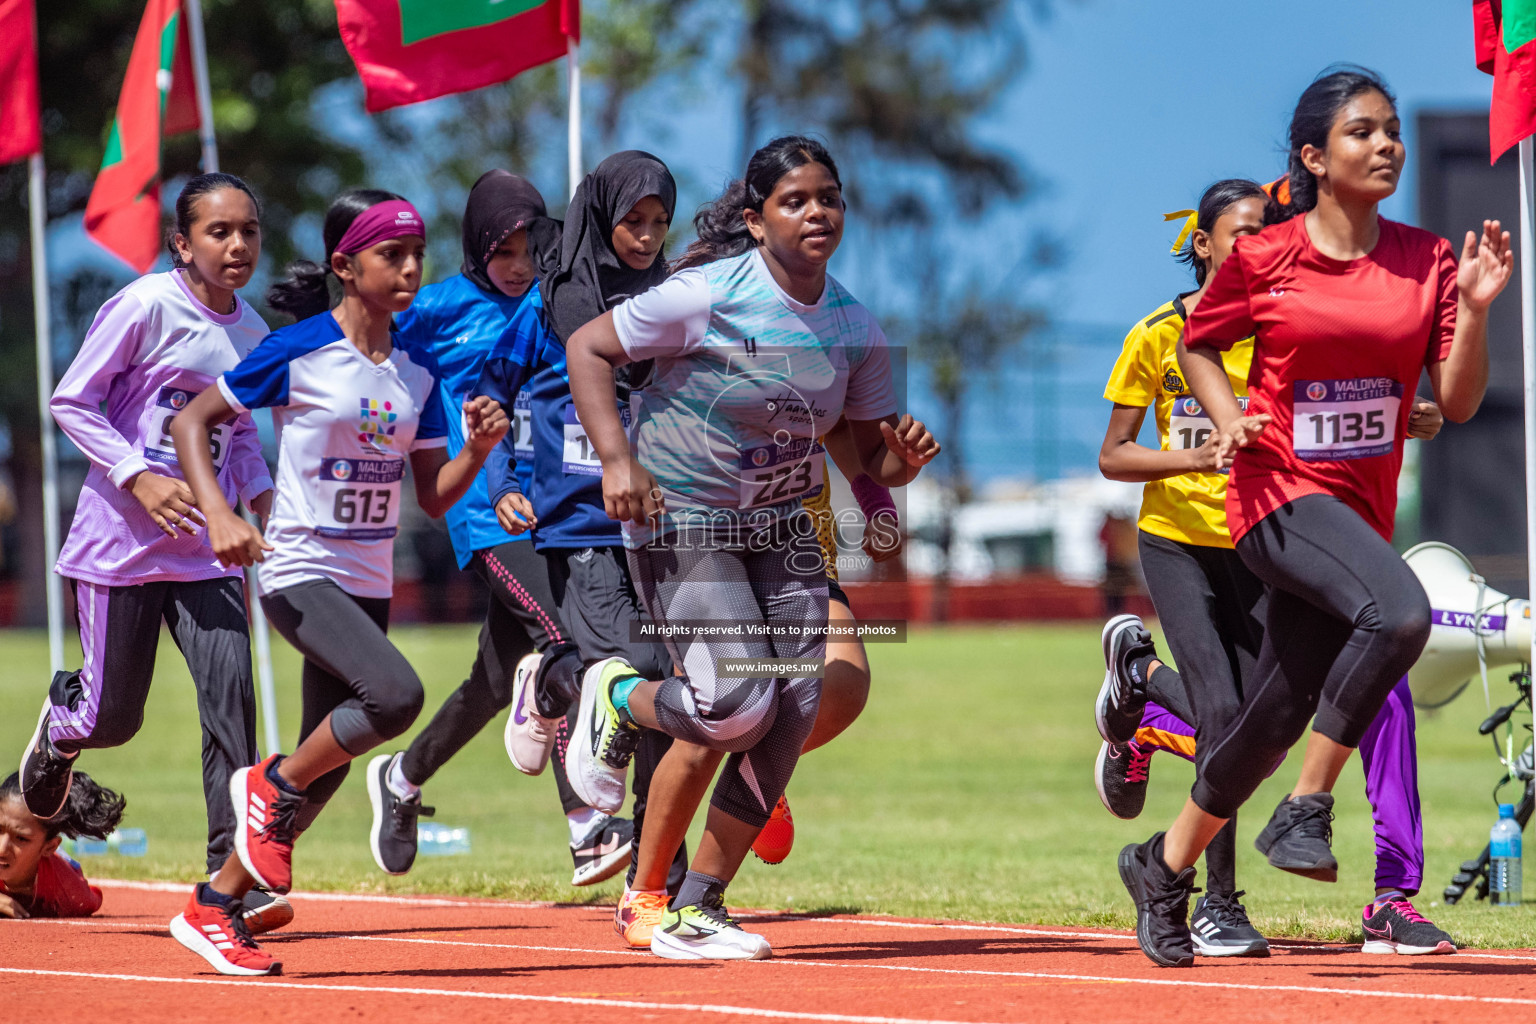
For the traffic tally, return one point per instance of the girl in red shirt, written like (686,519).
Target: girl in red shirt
(1347,309)
(36,879)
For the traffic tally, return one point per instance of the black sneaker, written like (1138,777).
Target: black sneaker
(264,911)
(1221,927)
(603,852)
(46,773)
(1391,925)
(1123,696)
(393,836)
(1299,837)
(1162,903)
(1120,774)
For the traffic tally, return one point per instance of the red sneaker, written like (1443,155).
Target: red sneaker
(221,938)
(777,838)
(264,838)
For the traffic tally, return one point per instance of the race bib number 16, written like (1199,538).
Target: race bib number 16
(1345,419)
(1188,425)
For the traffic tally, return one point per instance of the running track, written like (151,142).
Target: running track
(427,960)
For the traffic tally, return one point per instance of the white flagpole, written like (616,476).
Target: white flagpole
(261,638)
(573,115)
(37,199)
(205,133)
(1528,344)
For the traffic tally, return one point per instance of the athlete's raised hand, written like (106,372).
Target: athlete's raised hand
(168,501)
(1426,419)
(485,423)
(910,440)
(515,513)
(1486,266)
(235,541)
(1238,434)
(631,493)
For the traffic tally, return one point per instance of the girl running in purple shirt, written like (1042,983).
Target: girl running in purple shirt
(137,553)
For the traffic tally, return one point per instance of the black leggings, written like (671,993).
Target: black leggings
(351,673)
(1346,620)
(521,619)
(1211,607)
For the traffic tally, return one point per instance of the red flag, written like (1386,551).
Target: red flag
(123,213)
(412,50)
(1506,49)
(21,132)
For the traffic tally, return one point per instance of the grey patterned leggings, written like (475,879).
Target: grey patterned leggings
(737,578)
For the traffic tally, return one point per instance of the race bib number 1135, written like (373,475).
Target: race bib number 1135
(1354,418)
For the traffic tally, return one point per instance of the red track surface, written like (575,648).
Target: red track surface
(427,960)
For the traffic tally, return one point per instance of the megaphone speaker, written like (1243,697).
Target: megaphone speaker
(1464,613)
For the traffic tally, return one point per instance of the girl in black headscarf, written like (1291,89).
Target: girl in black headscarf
(490,310)
(609,248)
(500,205)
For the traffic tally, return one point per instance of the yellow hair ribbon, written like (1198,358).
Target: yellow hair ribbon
(1191,220)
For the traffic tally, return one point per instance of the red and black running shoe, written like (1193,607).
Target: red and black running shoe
(266,818)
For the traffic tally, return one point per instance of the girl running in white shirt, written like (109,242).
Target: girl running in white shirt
(350,406)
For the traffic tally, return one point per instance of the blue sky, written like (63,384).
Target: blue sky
(1130,107)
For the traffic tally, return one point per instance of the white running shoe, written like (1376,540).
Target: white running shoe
(529,736)
(597,761)
(704,931)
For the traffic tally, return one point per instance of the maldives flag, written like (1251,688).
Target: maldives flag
(21,132)
(412,50)
(123,213)
(1506,49)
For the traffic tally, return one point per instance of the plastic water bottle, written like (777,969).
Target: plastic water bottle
(1504,859)
(88,846)
(128,842)
(434,840)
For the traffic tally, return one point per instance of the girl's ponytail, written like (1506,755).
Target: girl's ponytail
(92,809)
(721,229)
(304,290)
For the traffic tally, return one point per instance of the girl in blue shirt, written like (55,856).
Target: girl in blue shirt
(492,309)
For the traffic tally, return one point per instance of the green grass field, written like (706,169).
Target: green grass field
(964,791)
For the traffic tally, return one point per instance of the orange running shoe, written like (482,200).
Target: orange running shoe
(637,915)
(777,838)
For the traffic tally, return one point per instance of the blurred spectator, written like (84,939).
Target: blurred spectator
(1118,539)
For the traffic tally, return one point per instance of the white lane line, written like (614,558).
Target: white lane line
(519,997)
(765,916)
(486,945)
(184,888)
(1366,993)
(771,918)
(287,935)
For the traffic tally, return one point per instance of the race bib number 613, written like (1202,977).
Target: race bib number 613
(1354,418)
(357,498)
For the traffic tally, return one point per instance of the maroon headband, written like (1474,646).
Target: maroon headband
(394,218)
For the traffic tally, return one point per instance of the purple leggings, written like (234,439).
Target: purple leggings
(1390,758)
